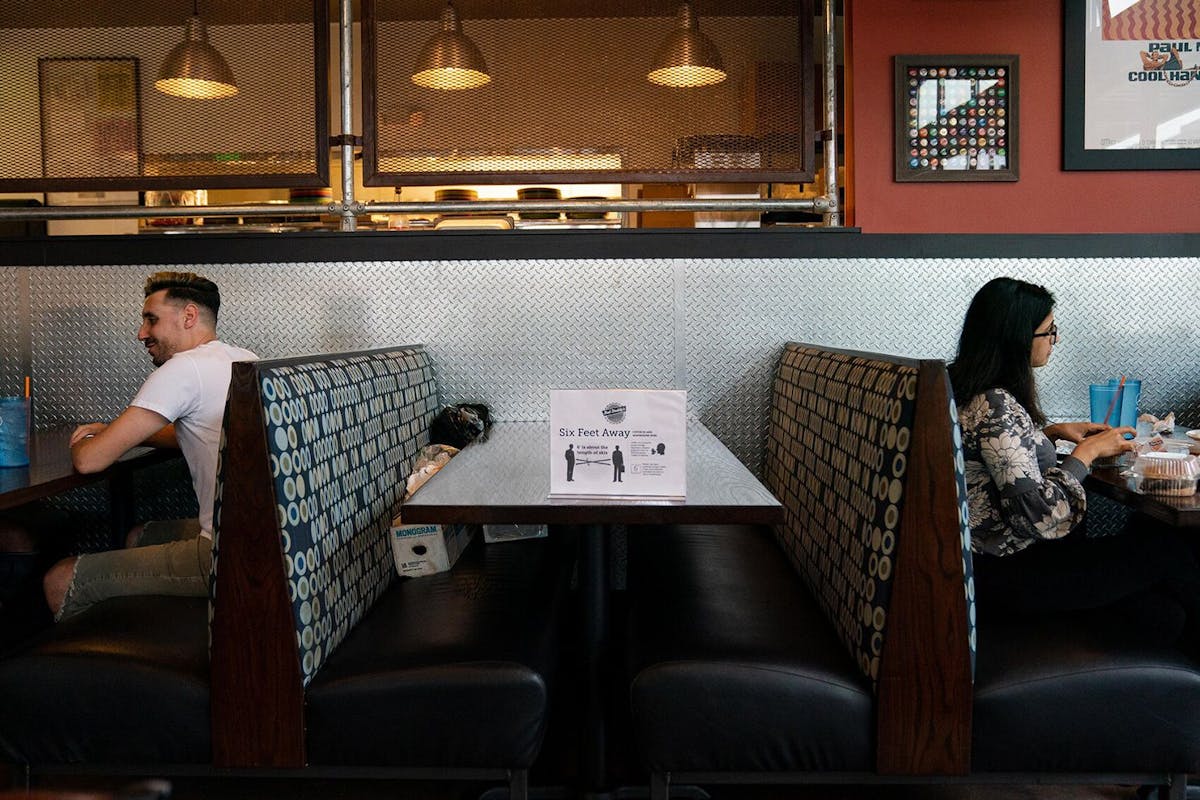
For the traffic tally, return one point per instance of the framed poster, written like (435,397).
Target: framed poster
(956,118)
(91,117)
(1131,84)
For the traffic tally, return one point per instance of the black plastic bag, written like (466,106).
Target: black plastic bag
(459,425)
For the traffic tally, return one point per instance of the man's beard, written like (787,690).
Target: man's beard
(157,357)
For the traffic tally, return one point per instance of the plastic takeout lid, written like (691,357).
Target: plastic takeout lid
(1167,465)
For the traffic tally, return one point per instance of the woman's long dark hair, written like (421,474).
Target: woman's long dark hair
(997,339)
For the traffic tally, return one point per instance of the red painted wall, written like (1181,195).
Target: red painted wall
(1045,199)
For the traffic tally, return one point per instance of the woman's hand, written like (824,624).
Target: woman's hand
(1111,442)
(1074,431)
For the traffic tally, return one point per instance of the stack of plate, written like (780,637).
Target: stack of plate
(587,214)
(457,196)
(320,195)
(308,195)
(539,193)
(454,195)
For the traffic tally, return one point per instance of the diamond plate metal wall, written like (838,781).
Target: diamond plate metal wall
(504,332)
(514,330)
(500,332)
(87,362)
(12,346)
(738,313)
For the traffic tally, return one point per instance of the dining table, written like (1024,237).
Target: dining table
(1112,481)
(503,477)
(50,472)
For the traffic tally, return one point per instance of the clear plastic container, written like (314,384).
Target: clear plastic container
(1172,474)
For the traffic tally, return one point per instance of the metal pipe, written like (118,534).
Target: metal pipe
(832,212)
(127,212)
(353,209)
(346,28)
(664,204)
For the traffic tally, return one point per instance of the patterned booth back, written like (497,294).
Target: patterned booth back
(862,452)
(314,458)
(837,458)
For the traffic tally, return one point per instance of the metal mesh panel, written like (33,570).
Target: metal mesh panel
(82,110)
(569,95)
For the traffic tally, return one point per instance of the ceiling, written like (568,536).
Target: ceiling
(135,13)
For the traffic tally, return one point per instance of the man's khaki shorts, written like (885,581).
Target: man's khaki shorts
(171,558)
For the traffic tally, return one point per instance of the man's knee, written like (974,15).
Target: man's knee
(57,583)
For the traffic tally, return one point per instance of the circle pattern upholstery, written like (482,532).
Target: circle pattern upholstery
(341,435)
(964,524)
(837,457)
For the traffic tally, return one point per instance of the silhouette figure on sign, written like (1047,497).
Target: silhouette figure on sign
(618,462)
(661,449)
(570,454)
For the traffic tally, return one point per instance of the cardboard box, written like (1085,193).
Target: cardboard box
(428,549)
(507,533)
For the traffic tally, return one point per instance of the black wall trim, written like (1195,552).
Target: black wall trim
(332,246)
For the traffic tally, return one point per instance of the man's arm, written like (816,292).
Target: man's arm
(96,448)
(163,437)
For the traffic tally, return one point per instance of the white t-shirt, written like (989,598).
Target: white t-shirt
(190,390)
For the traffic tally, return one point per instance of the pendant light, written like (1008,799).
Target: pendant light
(449,60)
(686,57)
(194,68)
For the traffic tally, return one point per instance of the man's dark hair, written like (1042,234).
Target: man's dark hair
(996,340)
(187,287)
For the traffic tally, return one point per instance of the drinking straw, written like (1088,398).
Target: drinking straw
(1112,403)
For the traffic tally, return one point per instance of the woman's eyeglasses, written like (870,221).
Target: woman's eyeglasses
(1052,333)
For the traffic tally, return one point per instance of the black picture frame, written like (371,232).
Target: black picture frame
(1087,123)
(972,103)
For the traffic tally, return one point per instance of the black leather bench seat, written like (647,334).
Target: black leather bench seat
(447,670)
(1061,695)
(125,682)
(735,667)
(865,456)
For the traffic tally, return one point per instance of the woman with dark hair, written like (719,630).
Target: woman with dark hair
(1031,554)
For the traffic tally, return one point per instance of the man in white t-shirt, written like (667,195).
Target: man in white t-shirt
(181,404)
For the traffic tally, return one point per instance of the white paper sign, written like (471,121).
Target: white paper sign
(618,442)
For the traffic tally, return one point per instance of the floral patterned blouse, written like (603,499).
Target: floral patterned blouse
(1018,493)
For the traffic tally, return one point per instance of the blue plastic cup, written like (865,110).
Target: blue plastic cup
(1129,402)
(14,432)
(1101,396)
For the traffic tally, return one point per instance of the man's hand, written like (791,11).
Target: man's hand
(87,431)
(94,447)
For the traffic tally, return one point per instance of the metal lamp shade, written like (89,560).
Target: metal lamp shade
(194,68)
(449,60)
(687,57)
